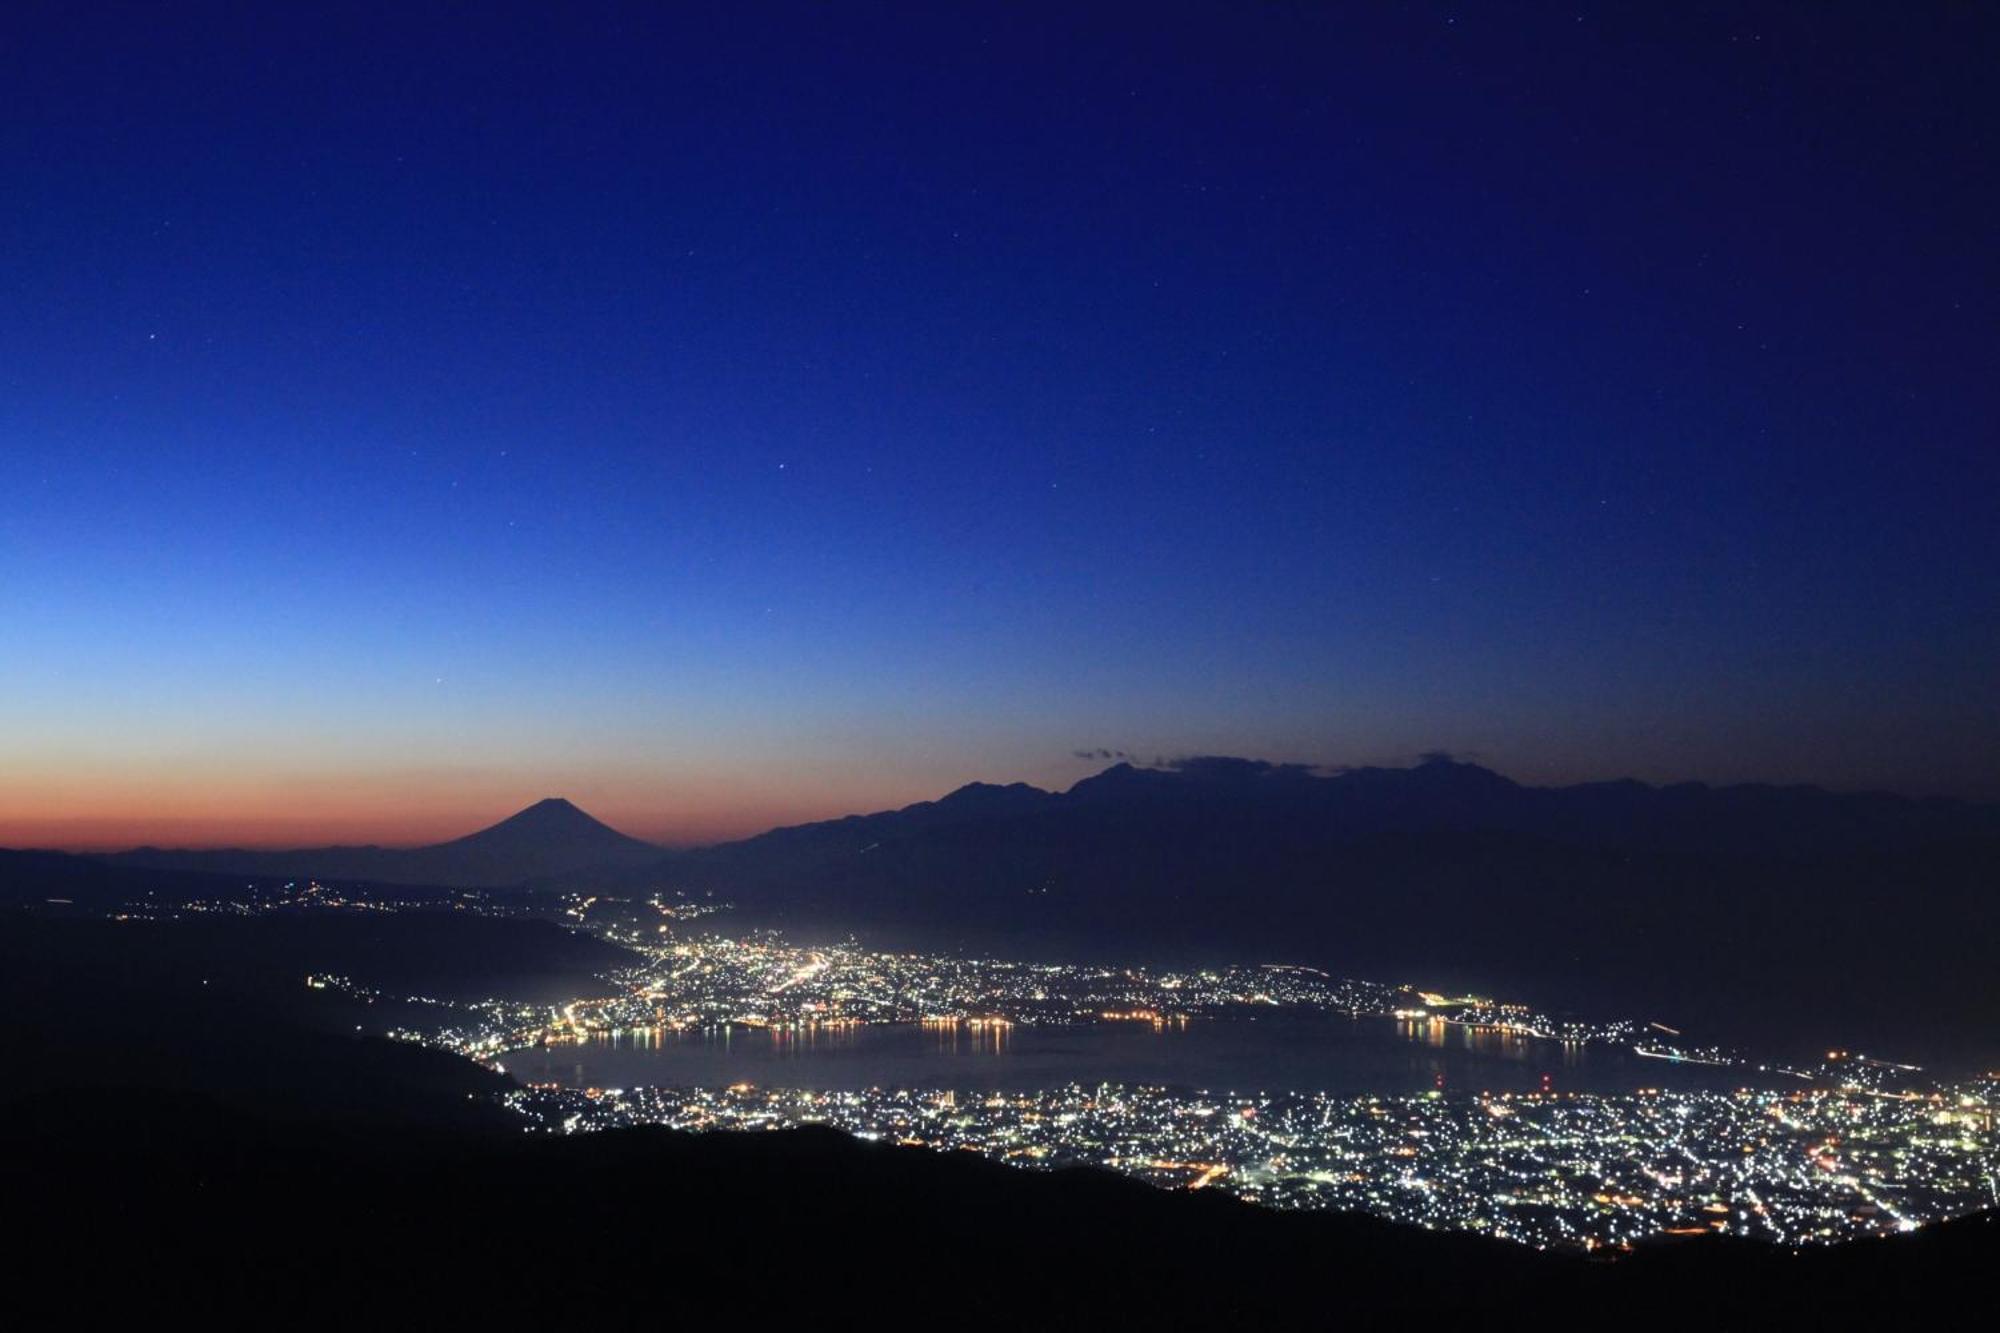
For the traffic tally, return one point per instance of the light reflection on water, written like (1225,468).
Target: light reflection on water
(1494,1042)
(1338,1055)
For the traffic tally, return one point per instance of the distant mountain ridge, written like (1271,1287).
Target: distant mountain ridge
(1814,910)
(1440,795)
(548,841)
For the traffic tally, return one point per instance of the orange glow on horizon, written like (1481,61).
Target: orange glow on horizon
(205,809)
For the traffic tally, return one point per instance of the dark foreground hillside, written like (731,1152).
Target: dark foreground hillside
(319,1178)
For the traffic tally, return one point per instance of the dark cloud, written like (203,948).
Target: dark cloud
(1219,766)
(1448,757)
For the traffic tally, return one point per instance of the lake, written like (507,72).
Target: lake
(1347,1056)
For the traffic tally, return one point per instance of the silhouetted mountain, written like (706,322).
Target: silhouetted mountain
(1750,907)
(1438,795)
(217,1008)
(88,883)
(550,840)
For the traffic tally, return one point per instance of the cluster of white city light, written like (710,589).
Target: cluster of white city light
(682,983)
(1573,1170)
(268,898)
(1853,1146)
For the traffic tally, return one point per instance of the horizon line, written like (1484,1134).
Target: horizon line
(109,845)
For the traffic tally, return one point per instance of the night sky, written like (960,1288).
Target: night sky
(733,415)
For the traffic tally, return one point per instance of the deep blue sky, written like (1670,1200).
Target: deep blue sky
(732,414)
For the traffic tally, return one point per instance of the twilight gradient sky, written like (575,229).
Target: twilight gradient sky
(728,415)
